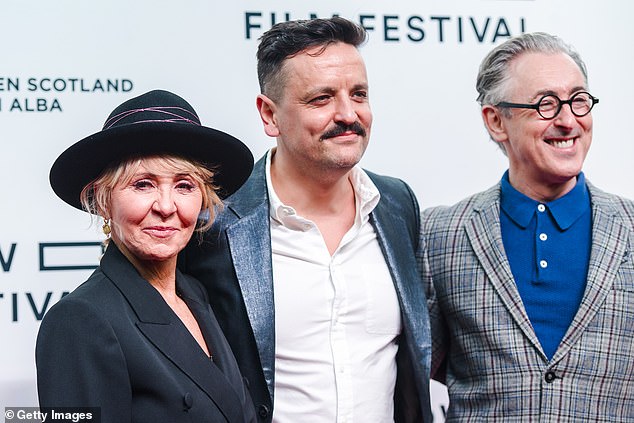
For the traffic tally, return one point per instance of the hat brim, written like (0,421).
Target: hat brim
(84,161)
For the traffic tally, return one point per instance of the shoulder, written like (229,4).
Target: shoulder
(389,184)
(397,204)
(91,291)
(394,191)
(251,197)
(612,204)
(462,211)
(84,312)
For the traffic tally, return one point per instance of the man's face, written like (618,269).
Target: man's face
(544,155)
(322,119)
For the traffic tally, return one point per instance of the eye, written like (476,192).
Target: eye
(548,103)
(320,99)
(581,98)
(142,184)
(186,186)
(361,94)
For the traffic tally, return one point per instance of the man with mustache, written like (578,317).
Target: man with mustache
(531,283)
(311,268)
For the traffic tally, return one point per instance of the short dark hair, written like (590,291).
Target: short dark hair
(286,39)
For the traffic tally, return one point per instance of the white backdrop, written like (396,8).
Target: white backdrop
(59,57)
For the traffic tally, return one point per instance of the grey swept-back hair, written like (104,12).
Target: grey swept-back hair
(493,75)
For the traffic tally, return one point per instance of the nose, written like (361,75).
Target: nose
(565,118)
(346,112)
(164,203)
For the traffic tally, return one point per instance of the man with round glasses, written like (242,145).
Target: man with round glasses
(549,105)
(530,284)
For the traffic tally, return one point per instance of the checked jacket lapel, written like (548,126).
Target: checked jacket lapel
(609,249)
(485,236)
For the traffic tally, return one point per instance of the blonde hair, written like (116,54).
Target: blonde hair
(96,195)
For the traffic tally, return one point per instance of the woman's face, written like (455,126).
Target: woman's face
(154,215)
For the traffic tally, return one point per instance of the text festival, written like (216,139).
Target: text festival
(412,28)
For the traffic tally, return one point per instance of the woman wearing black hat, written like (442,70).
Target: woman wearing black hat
(138,340)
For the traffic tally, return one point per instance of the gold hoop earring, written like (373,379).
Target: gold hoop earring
(106,227)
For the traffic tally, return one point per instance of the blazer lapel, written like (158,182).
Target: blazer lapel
(178,346)
(160,325)
(250,244)
(609,249)
(208,326)
(485,236)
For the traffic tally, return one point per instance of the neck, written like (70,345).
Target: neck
(160,274)
(315,192)
(326,198)
(543,192)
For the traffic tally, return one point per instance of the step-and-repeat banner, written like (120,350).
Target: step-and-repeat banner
(66,64)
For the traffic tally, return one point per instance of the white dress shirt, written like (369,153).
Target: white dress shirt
(336,317)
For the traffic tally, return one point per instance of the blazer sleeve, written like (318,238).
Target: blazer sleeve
(80,362)
(439,329)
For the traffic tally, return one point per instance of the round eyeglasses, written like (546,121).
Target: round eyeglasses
(550,105)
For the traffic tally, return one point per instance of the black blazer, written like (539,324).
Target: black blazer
(114,343)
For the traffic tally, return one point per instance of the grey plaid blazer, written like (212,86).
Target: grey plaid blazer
(484,347)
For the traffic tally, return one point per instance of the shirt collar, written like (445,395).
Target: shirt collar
(565,210)
(366,194)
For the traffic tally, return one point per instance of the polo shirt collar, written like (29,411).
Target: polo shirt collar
(565,210)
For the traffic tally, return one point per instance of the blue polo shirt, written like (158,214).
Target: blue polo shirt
(548,248)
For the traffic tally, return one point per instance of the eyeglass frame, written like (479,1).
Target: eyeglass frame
(560,104)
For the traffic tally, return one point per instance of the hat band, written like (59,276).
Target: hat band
(168,111)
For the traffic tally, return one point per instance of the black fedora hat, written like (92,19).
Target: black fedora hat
(157,122)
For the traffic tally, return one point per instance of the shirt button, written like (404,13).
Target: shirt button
(543,237)
(543,264)
(541,207)
(550,376)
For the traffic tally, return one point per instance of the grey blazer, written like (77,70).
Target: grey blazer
(483,341)
(234,263)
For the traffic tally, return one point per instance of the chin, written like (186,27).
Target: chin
(158,256)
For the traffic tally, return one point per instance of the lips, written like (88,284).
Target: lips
(160,231)
(349,135)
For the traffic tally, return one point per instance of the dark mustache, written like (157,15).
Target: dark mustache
(341,128)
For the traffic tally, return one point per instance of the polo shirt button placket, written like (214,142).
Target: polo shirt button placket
(543,264)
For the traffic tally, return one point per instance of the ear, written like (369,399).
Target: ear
(494,122)
(266,108)
(104,214)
